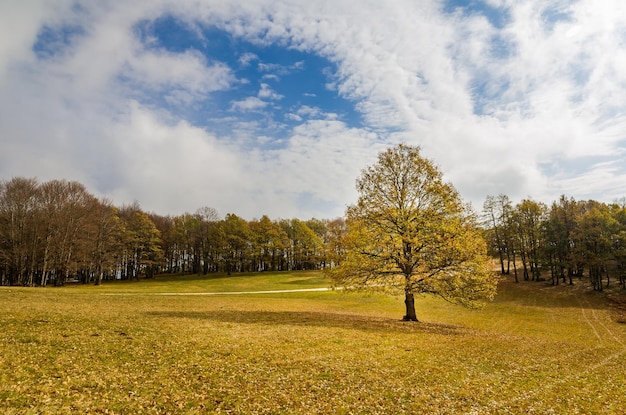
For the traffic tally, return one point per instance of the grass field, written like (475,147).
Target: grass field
(145,347)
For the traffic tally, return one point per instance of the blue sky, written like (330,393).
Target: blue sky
(273,107)
(277,88)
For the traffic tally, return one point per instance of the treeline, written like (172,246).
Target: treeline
(56,231)
(564,241)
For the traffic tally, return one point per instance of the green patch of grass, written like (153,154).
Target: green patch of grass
(83,350)
(216,282)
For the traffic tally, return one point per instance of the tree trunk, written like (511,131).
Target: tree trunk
(409,301)
(501,261)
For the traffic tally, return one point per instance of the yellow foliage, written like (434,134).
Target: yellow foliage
(409,231)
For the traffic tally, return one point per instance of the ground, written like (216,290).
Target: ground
(127,348)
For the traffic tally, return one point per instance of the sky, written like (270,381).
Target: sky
(274,107)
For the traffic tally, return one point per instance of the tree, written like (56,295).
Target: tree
(618,211)
(596,230)
(142,243)
(169,240)
(558,230)
(528,217)
(208,219)
(335,246)
(269,241)
(305,245)
(409,231)
(68,212)
(235,237)
(497,218)
(105,239)
(18,230)
(188,231)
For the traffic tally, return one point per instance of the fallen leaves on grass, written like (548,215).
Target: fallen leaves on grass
(82,353)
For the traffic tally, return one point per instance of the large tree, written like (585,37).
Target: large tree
(410,231)
(68,214)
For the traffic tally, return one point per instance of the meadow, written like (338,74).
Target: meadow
(165,346)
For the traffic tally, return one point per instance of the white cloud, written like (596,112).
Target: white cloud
(323,158)
(293,117)
(270,77)
(246,58)
(266,92)
(308,111)
(167,167)
(248,104)
(187,70)
(19,24)
(491,105)
(279,69)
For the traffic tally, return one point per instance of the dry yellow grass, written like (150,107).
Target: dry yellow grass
(81,350)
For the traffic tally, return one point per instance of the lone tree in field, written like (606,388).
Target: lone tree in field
(409,231)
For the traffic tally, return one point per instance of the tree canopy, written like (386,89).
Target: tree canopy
(57,231)
(568,239)
(409,231)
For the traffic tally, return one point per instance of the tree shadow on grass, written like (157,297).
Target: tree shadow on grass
(316,319)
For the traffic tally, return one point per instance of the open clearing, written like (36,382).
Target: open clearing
(535,349)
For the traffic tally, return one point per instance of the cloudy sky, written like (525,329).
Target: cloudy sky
(274,106)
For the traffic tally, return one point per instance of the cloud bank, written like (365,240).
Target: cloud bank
(524,98)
